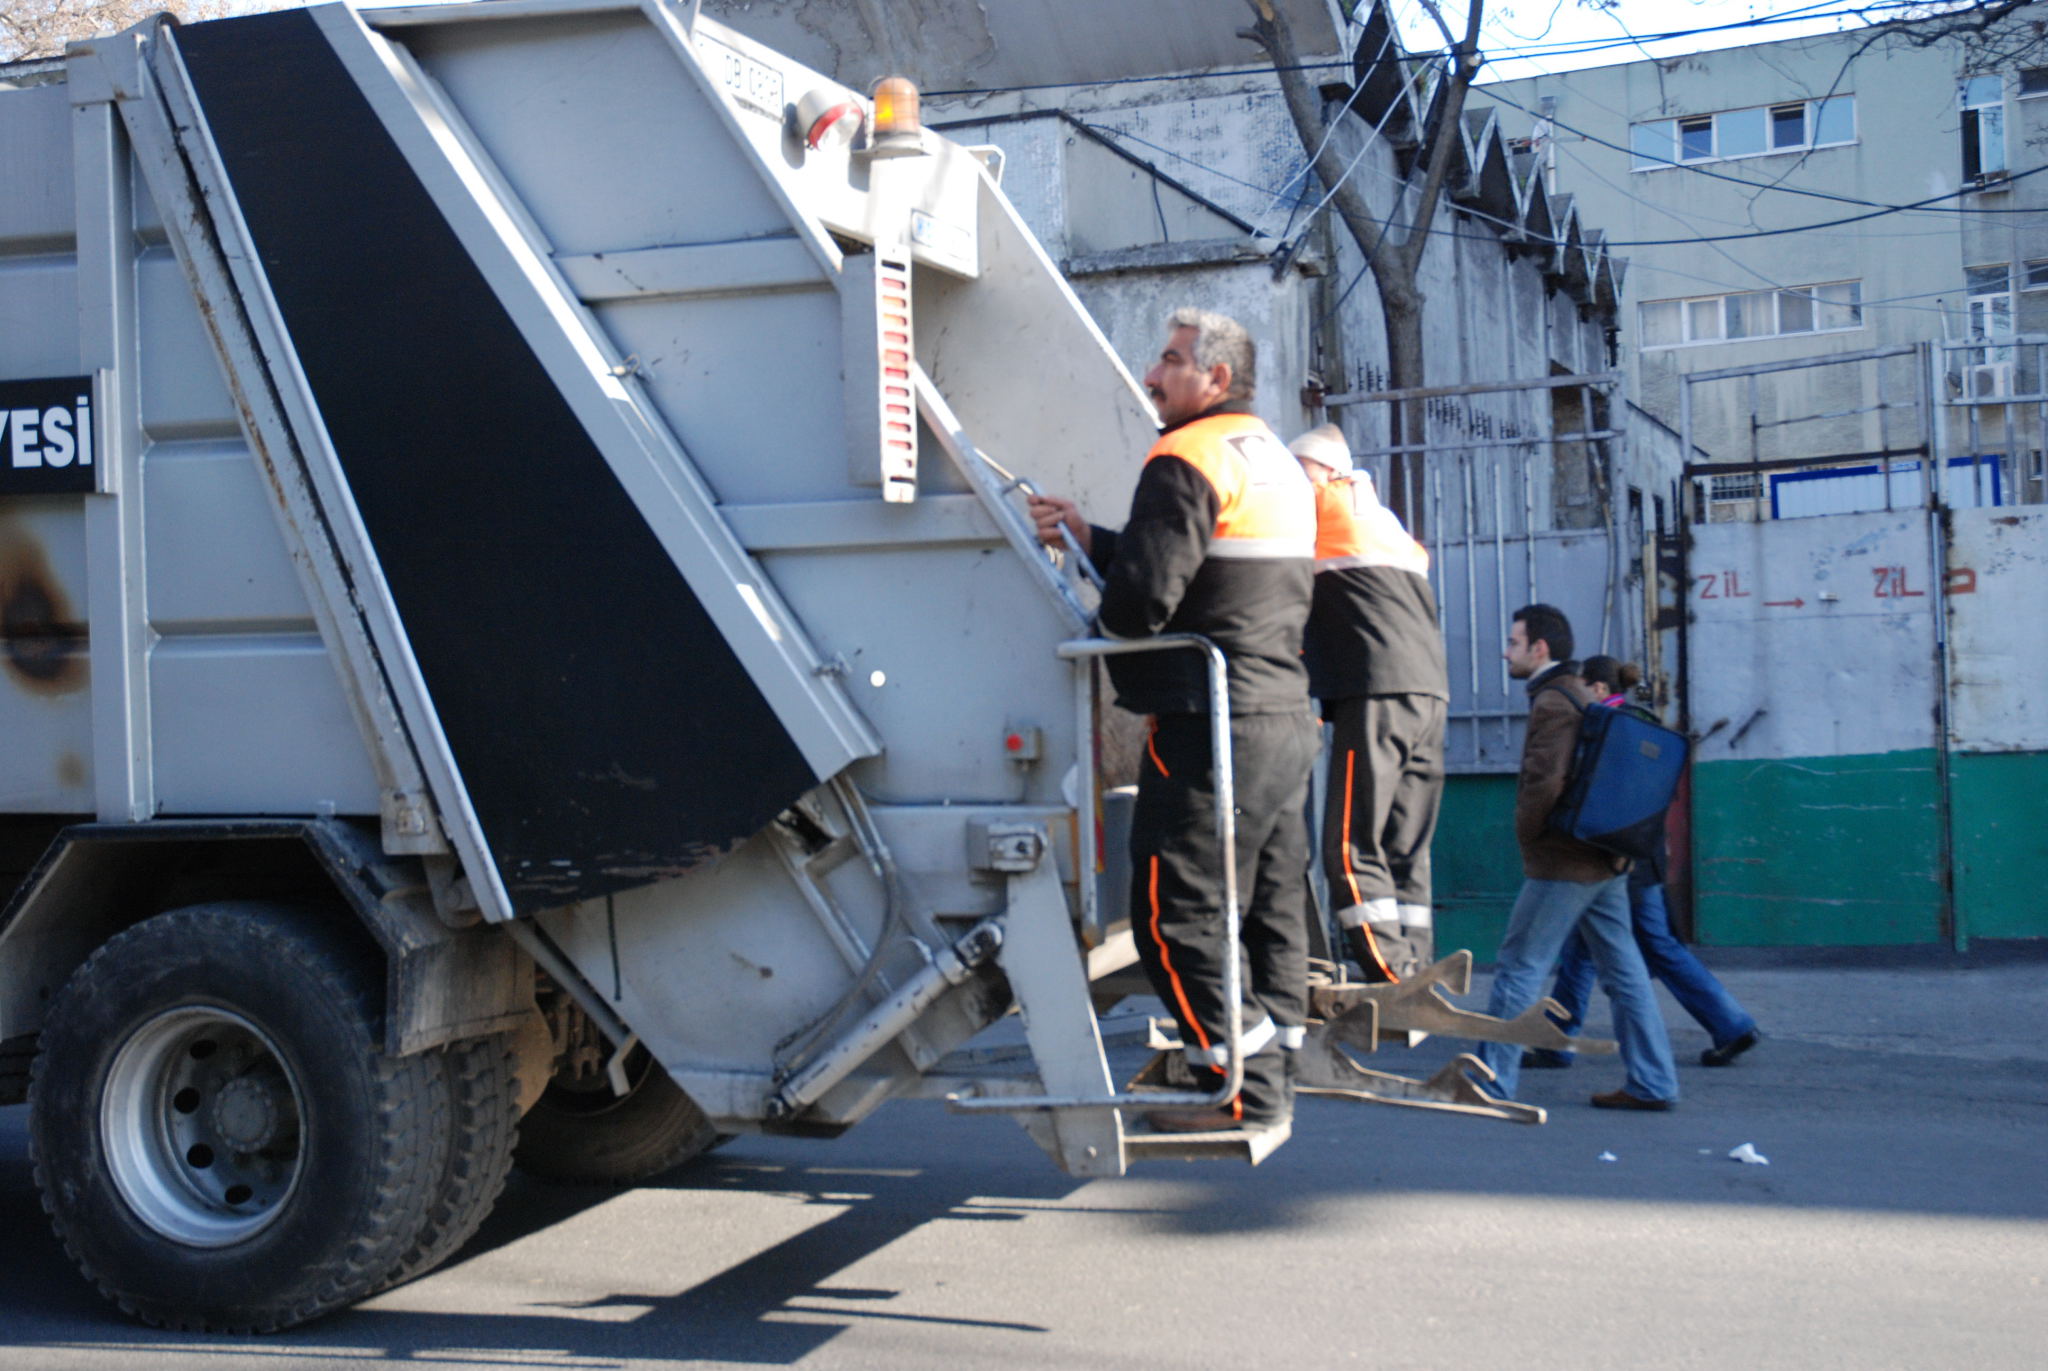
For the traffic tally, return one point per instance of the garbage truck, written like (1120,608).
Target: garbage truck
(522,641)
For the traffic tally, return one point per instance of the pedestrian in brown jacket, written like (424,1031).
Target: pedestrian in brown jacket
(1569,884)
(1553,736)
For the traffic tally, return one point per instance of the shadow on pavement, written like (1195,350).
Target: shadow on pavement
(1906,1129)
(773,1307)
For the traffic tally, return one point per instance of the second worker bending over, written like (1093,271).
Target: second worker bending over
(1376,661)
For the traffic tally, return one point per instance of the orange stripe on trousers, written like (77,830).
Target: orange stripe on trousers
(1351,877)
(1180,994)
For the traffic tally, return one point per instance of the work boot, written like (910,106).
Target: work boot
(1213,1120)
(1265,1100)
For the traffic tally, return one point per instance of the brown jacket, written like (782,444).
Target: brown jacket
(1546,761)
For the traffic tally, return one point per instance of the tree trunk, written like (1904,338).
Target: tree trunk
(1394,263)
(1401,309)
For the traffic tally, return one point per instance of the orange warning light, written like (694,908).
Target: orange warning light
(898,126)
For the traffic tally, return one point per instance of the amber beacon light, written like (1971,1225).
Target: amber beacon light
(898,128)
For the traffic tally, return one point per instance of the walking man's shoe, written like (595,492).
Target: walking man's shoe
(1724,1054)
(1621,1099)
(1546,1059)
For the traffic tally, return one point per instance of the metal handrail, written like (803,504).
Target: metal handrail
(1082,649)
(976,468)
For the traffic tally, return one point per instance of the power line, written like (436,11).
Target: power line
(1945,230)
(1877,211)
(1329,132)
(1570,49)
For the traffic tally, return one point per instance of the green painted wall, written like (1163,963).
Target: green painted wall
(1811,852)
(1475,866)
(1817,851)
(2001,843)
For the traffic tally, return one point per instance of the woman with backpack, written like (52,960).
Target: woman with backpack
(1696,989)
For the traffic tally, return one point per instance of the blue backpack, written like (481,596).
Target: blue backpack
(1625,770)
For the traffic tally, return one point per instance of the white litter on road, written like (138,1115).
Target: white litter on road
(1749,1156)
(1609,1157)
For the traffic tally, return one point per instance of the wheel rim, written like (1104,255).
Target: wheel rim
(202,1126)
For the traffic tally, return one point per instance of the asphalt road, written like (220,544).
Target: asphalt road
(1904,1112)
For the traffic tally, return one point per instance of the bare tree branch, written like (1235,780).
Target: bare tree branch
(42,28)
(1271,31)
(1449,135)
(1437,16)
(1393,252)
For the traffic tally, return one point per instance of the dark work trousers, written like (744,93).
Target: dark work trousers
(1177,910)
(1386,785)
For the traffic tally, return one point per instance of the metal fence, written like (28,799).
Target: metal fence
(1995,397)
(1520,491)
(1953,424)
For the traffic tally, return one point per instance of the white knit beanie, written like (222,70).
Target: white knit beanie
(1324,446)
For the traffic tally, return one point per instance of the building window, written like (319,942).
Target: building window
(1983,102)
(1755,132)
(1989,293)
(1834,307)
(2033,82)
(1696,140)
(1788,127)
(1746,486)
(2034,274)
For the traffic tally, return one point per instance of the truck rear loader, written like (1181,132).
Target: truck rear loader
(520,640)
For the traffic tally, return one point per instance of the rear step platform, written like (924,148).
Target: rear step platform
(1252,1145)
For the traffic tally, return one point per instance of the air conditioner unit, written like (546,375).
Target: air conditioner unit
(1987,381)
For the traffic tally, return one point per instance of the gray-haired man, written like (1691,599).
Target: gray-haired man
(1220,542)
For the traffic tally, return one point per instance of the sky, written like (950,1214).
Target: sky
(1531,37)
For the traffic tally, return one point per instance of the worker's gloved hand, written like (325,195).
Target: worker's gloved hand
(1049,512)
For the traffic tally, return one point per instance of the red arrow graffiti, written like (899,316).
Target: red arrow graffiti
(1788,604)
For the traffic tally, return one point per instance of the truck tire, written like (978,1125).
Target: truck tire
(580,1132)
(220,1139)
(480,1088)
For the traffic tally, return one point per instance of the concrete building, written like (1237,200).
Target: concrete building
(1747,189)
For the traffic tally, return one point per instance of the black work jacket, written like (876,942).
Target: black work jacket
(1220,542)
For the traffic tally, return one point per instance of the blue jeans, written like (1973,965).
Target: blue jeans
(1694,987)
(1545,914)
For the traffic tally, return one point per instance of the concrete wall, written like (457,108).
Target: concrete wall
(1998,721)
(1838,796)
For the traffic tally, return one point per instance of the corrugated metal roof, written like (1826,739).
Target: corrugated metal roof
(991,44)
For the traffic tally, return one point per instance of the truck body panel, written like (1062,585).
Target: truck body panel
(557,353)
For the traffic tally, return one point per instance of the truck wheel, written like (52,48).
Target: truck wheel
(579,1131)
(219,1137)
(482,1107)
